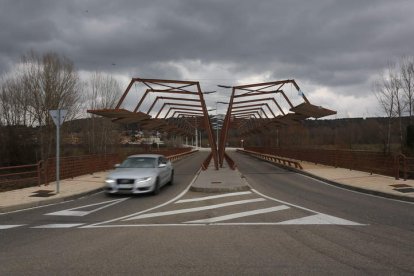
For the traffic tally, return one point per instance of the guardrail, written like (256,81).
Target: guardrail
(371,162)
(274,159)
(21,176)
(16,177)
(180,155)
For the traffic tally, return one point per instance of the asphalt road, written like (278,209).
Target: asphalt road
(287,224)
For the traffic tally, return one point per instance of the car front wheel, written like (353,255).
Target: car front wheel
(156,190)
(171,179)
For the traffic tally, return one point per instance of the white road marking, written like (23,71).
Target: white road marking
(2,227)
(59,225)
(72,212)
(319,216)
(241,214)
(197,209)
(147,210)
(317,220)
(212,197)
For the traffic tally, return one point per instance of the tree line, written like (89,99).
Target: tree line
(42,82)
(394,89)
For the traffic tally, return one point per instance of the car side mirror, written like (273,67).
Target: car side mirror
(162,165)
(117,165)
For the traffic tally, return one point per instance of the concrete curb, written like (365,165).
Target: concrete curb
(218,190)
(21,207)
(209,189)
(357,189)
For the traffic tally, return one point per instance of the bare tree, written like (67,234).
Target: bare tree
(407,83)
(49,82)
(388,91)
(102,92)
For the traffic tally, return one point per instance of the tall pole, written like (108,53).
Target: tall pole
(58,152)
(217,126)
(58,117)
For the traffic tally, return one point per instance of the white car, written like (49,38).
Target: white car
(141,173)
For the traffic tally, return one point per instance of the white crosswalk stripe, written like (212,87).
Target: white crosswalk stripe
(241,214)
(2,227)
(59,225)
(212,197)
(190,210)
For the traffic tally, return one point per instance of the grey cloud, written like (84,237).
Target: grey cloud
(328,43)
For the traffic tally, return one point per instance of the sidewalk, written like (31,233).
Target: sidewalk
(224,180)
(376,184)
(46,194)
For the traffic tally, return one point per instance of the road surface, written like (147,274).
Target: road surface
(286,224)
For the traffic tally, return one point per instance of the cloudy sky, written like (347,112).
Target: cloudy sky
(334,49)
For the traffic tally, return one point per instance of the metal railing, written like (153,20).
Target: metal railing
(371,162)
(180,155)
(16,177)
(21,176)
(274,159)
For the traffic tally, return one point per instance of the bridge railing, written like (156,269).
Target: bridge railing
(16,177)
(371,162)
(274,159)
(178,156)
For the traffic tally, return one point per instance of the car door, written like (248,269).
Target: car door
(164,171)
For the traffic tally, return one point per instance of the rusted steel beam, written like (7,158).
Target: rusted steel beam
(173,106)
(260,100)
(247,109)
(207,122)
(194,114)
(125,93)
(258,93)
(169,98)
(225,129)
(180,109)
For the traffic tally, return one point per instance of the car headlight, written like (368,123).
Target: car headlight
(110,181)
(144,179)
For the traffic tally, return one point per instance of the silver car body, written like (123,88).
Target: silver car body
(141,173)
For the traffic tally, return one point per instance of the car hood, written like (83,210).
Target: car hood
(132,173)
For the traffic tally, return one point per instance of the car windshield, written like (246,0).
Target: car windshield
(138,162)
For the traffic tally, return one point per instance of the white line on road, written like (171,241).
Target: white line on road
(59,225)
(190,210)
(147,210)
(293,205)
(319,219)
(72,212)
(212,197)
(241,214)
(10,226)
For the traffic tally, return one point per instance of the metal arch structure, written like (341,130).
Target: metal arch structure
(176,114)
(267,111)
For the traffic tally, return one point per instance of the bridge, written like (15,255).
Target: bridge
(249,210)
(179,107)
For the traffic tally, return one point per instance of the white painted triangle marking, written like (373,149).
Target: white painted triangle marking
(241,214)
(212,197)
(59,225)
(10,226)
(190,210)
(72,212)
(318,219)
